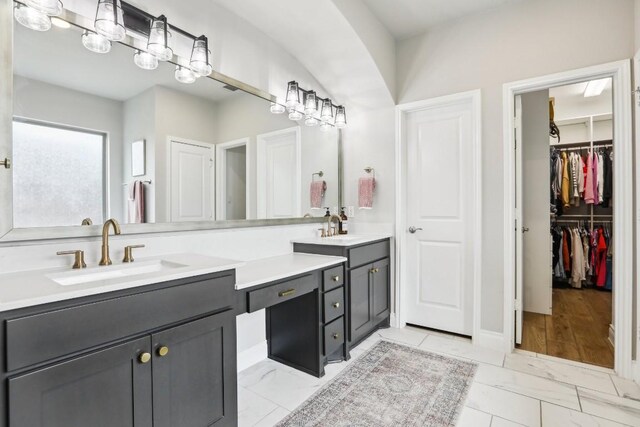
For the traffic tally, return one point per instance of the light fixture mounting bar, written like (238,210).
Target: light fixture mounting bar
(140,21)
(318,98)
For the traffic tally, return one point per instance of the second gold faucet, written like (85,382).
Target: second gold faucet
(106,259)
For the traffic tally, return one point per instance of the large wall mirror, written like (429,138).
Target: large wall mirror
(95,136)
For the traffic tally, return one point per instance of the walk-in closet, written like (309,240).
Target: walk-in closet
(567,225)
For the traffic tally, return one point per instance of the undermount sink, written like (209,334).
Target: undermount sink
(344,237)
(95,274)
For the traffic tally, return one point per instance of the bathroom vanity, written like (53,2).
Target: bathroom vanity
(123,345)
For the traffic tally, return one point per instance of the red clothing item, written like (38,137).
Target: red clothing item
(566,257)
(601,258)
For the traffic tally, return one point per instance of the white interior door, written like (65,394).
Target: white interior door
(518,215)
(191,186)
(441,209)
(279,174)
(536,241)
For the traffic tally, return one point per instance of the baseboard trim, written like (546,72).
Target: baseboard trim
(612,335)
(393,321)
(252,355)
(490,339)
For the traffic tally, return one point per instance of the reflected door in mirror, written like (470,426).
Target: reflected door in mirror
(191,186)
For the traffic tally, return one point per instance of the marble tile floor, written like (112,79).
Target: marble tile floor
(518,389)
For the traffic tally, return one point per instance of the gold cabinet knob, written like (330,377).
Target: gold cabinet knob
(144,357)
(374,270)
(163,351)
(336,305)
(336,278)
(336,336)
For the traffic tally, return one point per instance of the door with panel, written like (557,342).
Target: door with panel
(108,388)
(360,302)
(380,288)
(191,182)
(194,370)
(440,214)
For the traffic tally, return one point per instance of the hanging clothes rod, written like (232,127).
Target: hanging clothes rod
(601,143)
(586,216)
(146,181)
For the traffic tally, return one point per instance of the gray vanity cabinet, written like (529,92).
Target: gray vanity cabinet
(168,359)
(109,388)
(368,284)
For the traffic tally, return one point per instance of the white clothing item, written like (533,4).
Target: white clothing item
(600,178)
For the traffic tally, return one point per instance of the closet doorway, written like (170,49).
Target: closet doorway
(565,146)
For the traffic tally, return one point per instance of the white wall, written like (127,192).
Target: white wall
(236,185)
(32,100)
(637,21)
(486,50)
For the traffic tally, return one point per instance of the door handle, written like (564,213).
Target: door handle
(525,229)
(413,229)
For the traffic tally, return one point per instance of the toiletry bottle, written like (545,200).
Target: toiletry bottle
(344,224)
(327,214)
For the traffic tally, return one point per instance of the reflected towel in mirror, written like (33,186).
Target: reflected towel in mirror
(366,186)
(317,191)
(136,202)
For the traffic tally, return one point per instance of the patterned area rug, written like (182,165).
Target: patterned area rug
(390,385)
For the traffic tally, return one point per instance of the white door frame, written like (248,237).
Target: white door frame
(482,338)
(620,72)
(636,69)
(260,168)
(221,172)
(170,140)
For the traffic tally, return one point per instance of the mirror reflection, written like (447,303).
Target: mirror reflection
(95,136)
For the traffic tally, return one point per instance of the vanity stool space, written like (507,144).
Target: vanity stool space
(367,281)
(305,313)
(161,355)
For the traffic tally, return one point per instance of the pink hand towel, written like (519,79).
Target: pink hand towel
(366,186)
(136,202)
(317,193)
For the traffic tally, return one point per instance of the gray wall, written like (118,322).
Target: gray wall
(513,42)
(236,183)
(32,99)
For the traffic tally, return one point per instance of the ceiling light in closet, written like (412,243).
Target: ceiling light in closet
(145,60)
(293,95)
(60,23)
(595,87)
(159,37)
(185,75)
(31,18)
(294,114)
(326,113)
(200,57)
(341,117)
(277,108)
(109,20)
(96,42)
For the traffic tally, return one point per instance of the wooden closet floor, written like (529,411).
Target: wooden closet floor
(578,329)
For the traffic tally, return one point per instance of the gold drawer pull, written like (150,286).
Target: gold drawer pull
(336,278)
(336,305)
(336,336)
(163,351)
(374,270)
(287,293)
(144,357)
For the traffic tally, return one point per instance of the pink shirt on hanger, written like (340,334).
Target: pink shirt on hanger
(588,187)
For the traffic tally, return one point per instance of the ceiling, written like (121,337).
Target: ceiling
(58,57)
(570,102)
(407,18)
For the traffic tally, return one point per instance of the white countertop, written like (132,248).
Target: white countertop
(29,288)
(266,270)
(343,240)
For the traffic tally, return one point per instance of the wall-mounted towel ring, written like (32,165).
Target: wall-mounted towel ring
(313,175)
(369,169)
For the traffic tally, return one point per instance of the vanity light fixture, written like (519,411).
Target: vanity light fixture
(60,23)
(96,42)
(311,121)
(326,113)
(325,126)
(159,35)
(294,114)
(185,75)
(341,117)
(109,20)
(277,108)
(48,7)
(200,57)
(310,104)
(293,95)
(31,18)
(145,60)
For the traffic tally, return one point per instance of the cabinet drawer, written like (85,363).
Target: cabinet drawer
(37,338)
(368,253)
(332,278)
(333,304)
(333,336)
(279,292)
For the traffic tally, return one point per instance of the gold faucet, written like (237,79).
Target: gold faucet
(87,221)
(330,221)
(106,260)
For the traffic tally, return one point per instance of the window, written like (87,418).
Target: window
(59,175)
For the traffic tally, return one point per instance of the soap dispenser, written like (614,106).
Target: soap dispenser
(344,223)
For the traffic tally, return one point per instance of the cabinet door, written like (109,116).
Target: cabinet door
(194,383)
(381,291)
(360,302)
(108,388)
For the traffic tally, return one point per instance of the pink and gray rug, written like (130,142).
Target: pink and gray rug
(390,385)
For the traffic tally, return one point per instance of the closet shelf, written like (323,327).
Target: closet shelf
(583,144)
